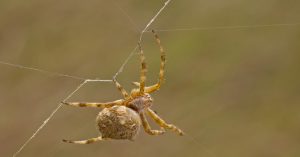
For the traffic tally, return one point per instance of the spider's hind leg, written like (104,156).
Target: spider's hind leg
(88,141)
(162,123)
(147,127)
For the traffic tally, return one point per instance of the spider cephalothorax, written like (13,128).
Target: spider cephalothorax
(140,103)
(121,119)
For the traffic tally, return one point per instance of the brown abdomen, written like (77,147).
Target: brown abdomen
(118,122)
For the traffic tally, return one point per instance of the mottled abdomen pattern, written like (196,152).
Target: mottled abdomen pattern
(118,122)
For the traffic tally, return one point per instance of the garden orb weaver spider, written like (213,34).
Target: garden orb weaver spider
(121,119)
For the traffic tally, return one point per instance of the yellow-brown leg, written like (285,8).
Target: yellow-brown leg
(121,89)
(94,104)
(155,87)
(147,127)
(148,89)
(143,69)
(162,123)
(162,61)
(88,141)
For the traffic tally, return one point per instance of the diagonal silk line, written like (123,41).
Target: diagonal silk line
(41,71)
(227,27)
(47,120)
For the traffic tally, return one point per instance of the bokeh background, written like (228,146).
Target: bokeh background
(235,92)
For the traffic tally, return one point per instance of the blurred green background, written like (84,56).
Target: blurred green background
(235,92)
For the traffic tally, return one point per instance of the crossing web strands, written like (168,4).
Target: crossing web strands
(84,80)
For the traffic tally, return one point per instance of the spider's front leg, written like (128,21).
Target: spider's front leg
(143,70)
(148,89)
(95,104)
(147,127)
(162,123)
(156,86)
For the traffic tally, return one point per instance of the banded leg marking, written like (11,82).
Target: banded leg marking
(88,141)
(147,127)
(94,104)
(121,89)
(143,69)
(162,123)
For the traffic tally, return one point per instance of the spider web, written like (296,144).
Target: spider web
(84,81)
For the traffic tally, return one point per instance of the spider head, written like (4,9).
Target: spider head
(140,103)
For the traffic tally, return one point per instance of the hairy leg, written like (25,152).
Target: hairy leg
(162,123)
(121,89)
(143,69)
(88,141)
(156,86)
(147,127)
(148,89)
(94,104)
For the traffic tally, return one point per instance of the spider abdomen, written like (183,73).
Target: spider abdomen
(118,122)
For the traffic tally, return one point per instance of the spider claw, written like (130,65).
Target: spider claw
(67,141)
(65,103)
(181,133)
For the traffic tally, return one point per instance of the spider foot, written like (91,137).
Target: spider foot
(72,104)
(65,103)
(81,104)
(180,132)
(67,141)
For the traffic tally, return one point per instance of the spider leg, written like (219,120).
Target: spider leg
(143,70)
(95,104)
(147,127)
(136,84)
(149,89)
(162,123)
(156,86)
(88,141)
(121,89)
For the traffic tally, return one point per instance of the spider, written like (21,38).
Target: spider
(121,119)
